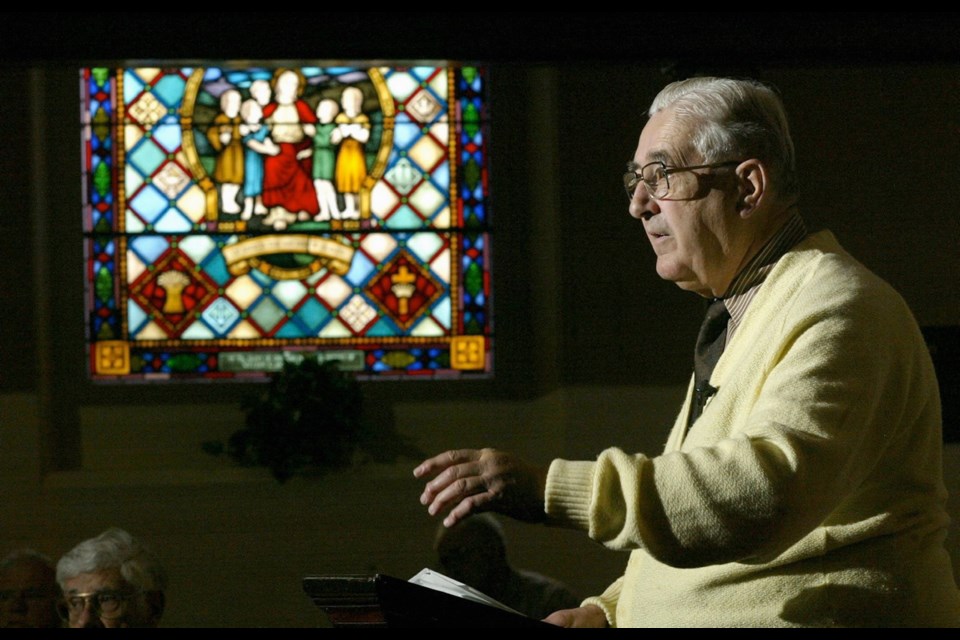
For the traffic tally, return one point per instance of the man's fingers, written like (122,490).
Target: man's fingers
(463,481)
(559,618)
(455,491)
(471,504)
(447,477)
(438,463)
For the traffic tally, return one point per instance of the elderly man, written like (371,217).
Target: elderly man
(111,581)
(28,591)
(801,484)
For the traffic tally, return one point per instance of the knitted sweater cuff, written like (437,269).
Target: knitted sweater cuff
(568,493)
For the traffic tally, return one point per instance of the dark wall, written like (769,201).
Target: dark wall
(18,368)
(681,41)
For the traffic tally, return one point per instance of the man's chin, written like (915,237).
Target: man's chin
(683,281)
(669,272)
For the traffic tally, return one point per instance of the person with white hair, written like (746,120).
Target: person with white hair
(802,482)
(112,580)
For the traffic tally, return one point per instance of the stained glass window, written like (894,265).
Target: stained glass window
(237,217)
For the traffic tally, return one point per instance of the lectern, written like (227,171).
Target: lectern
(377,600)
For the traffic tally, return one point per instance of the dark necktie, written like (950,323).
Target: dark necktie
(710,343)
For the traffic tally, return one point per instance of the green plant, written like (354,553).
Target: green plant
(311,419)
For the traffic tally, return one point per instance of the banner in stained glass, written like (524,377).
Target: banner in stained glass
(236,218)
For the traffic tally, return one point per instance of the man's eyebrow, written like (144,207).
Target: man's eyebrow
(654,156)
(659,154)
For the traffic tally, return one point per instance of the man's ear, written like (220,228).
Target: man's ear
(752,184)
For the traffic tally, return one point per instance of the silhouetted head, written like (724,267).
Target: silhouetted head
(28,591)
(474,551)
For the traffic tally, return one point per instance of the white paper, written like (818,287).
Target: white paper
(439,582)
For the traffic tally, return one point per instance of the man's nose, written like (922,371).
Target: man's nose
(642,206)
(88,618)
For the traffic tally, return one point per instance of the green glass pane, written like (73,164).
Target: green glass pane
(470,218)
(101,124)
(473,279)
(136,363)
(472,327)
(398,359)
(469,74)
(471,174)
(471,120)
(105,333)
(103,285)
(101,179)
(184,362)
(102,226)
(100,75)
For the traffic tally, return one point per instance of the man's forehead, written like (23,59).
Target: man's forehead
(663,139)
(103,579)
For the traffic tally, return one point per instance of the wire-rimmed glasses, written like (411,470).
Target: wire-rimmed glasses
(106,604)
(656,176)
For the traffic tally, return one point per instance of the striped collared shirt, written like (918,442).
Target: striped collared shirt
(746,283)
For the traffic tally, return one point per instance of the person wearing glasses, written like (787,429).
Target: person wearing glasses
(802,481)
(28,591)
(112,580)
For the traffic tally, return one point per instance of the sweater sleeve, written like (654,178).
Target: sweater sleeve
(789,440)
(607,601)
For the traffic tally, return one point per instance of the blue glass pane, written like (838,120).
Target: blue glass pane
(384,328)
(149,248)
(146,157)
(441,176)
(150,204)
(169,90)
(168,136)
(132,86)
(404,218)
(172,221)
(360,269)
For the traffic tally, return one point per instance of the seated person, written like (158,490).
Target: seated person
(28,591)
(112,580)
(474,552)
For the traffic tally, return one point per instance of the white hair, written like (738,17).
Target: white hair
(730,119)
(114,549)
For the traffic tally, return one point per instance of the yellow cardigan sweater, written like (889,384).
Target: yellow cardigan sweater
(808,493)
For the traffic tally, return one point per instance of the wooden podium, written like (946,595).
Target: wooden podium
(377,600)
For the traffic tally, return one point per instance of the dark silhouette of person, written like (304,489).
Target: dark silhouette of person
(474,552)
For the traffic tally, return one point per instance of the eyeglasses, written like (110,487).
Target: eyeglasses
(106,604)
(656,176)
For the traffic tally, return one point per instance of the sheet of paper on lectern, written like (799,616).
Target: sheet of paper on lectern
(439,582)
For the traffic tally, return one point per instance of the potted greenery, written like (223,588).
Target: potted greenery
(310,419)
